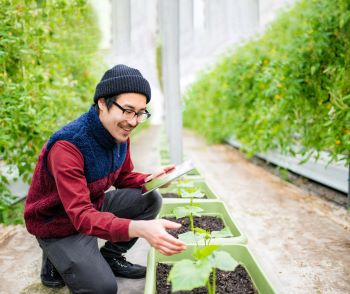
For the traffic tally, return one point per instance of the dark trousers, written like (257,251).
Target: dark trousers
(78,258)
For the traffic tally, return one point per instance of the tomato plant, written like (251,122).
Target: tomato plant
(289,87)
(48,70)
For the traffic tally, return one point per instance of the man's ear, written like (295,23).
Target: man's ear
(101,104)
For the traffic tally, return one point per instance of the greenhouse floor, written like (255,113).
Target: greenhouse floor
(301,241)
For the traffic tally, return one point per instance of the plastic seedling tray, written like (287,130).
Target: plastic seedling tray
(239,252)
(210,208)
(199,184)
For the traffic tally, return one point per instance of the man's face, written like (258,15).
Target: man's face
(113,119)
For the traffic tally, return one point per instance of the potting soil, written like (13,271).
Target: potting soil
(205,222)
(237,281)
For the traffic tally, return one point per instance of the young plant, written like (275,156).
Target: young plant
(192,193)
(199,234)
(188,274)
(193,209)
(184,185)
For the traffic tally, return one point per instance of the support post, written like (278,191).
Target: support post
(171,70)
(121,26)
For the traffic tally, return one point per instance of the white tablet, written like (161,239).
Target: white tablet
(179,170)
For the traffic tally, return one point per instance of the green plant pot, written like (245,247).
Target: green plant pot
(239,252)
(210,208)
(195,176)
(198,183)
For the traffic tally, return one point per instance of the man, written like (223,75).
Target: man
(67,207)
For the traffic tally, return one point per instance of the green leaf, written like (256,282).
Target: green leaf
(186,275)
(288,86)
(180,211)
(183,211)
(224,233)
(190,237)
(200,231)
(194,194)
(201,253)
(222,261)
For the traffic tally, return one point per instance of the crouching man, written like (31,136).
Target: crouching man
(67,207)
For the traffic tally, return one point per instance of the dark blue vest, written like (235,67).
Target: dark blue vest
(102,155)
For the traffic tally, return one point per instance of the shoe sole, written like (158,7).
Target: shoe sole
(129,277)
(53,284)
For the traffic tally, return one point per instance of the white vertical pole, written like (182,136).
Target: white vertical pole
(121,26)
(249,10)
(186,28)
(171,70)
(230,18)
(186,16)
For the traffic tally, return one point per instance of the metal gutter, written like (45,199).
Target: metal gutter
(334,175)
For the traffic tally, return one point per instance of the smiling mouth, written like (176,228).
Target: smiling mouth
(126,130)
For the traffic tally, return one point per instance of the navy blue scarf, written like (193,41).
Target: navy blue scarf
(102,155)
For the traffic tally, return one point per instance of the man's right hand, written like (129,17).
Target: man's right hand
(156,235)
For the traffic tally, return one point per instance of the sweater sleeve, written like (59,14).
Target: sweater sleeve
(127,177)
(66,164)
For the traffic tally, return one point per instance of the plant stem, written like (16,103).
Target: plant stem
(214,280)
(191,221)
(210,290)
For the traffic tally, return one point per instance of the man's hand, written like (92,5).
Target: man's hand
(162,171)
(155,234)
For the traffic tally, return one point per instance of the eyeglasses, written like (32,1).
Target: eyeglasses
(129,114)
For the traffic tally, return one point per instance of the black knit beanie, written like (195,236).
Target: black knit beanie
(122,79)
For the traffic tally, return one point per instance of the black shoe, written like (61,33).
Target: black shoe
(49,275)
(122,268)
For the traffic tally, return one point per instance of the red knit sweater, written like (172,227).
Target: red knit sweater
(64,203)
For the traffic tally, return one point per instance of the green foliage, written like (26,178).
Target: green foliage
(224,233)
(183,185)
(183,211)
(199,234)
(11,215)
(191,193)
(159,53)
(289,87)
(187,274)
(48,71)
(283,173)
(188,210)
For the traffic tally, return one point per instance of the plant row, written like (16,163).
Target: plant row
(47,72)
(217,258)
(289,87)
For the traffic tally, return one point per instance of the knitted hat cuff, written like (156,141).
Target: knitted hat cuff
(123,84)
(122,79)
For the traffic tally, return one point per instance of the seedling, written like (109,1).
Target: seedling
(184,185)
(188,274)
(190,210)
(199,234)
(195,193)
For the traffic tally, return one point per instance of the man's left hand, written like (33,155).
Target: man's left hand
(162,171)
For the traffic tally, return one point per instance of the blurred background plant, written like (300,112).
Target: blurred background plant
(290,87)
(48,68)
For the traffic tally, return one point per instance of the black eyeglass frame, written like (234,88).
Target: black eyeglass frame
(137,114)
